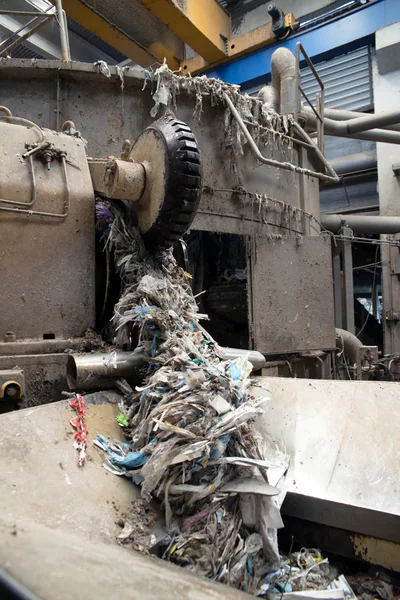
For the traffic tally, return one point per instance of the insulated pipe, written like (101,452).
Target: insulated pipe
(354,162)
(361,223)
(270,96)
(345,115)
(283,72)
(349,343)
(367,122)
(339,129)
(360,124)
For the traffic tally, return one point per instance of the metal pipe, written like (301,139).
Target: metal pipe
(349,343)
(345,115)
(361,223)
(99,370)
(283,71)
(33,195)
(356,124)
(270,96)
(25,13)
(275,163)
(361,161)
(361,124)
(7,111)
(63,32)
(339,129)
(41,213)
(256,358)
(67,36)
(334,177)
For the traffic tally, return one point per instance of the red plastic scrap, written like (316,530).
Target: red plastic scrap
(78,422)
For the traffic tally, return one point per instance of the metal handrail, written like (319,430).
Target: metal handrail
(333,177)
(320,97)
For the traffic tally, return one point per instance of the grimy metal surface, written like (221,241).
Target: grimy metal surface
(47,263)
(343,464)
(290,294)
(58,526)
(108,110)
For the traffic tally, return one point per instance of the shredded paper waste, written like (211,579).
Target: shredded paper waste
(191,441)
(266,123)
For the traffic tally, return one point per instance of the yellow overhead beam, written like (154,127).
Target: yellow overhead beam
(100,26)
(202,24)
(239,46)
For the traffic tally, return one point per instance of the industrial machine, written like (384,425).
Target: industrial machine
(230,182)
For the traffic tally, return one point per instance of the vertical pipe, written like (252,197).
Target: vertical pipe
(348,281)
(63,33)
(374,299)
(320,110)
(337,288)
(67,36)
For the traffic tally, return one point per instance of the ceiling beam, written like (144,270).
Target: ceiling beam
(204,25)
(100,26)
(239,46)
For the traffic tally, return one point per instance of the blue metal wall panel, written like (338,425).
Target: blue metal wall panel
(350,31)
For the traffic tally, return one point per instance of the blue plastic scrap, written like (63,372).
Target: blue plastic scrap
(132,460)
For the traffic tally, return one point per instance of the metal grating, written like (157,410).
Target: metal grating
(347,81)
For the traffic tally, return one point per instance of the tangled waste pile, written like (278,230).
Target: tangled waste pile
(192,441)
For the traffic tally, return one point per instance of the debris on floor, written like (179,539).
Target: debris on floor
(137,527)
(375,584)
(79,423)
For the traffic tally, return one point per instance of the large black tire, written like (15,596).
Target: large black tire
(182,181)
